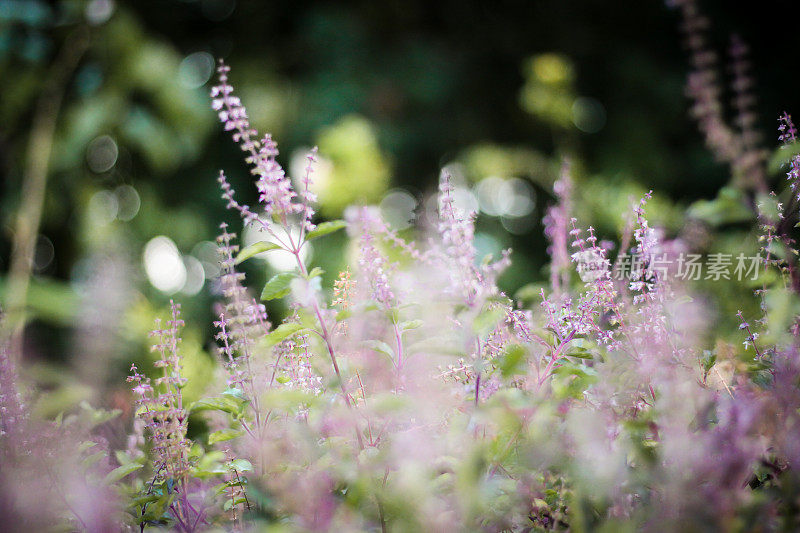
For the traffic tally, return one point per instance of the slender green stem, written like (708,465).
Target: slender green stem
(326,337)
(34,181)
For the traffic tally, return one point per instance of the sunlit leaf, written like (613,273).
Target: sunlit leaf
(240,465)
(255,249)
(277,286)
(223,435)
(226,404)
(282,332)
(325,228)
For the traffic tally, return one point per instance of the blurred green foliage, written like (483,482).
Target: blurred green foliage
(359,172)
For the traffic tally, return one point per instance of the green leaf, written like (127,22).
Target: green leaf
(316,271)
(122,457)
(707,360)
(411,324)
(121,471)
(98,416)
(285,399)
(223,435)
(93,458)
(145,498)
(281,332)
(380,347)
(580,353)
(325,228)
(729,207)
(344,314)
(278,286)
(86,445)
(487,320)
(155,511)
(210,464)
(510,360)
(241,465)
(255,249)
(226,404)
(230,503)
(235,393)
(572,380)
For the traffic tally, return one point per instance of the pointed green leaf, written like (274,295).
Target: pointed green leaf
(380,347)
(255,249)
(85,445)
(411,324)
(281,332)
(223,435)
(240,465)
(121,471)
(226,404)
(122,457)
(708,360)
(93,458)
(278,286)
(580,353)
(145,499)
(325,228)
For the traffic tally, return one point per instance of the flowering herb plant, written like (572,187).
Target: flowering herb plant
(421,397)
(418,396)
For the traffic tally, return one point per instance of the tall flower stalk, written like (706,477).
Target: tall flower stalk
(280,203)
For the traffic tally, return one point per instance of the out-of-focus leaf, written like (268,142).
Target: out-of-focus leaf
(487,320)
(94,458)
(511,360)
(230,503)
(225,404)
(286,399)
(411,324)
(316,271)
(572,380)
(380,347)
(728,207)
(97,416)
(361,171)
(580,353)
(707,360)
(121,471)
(241,465)
(223,435)
(53,301)
(235,393)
